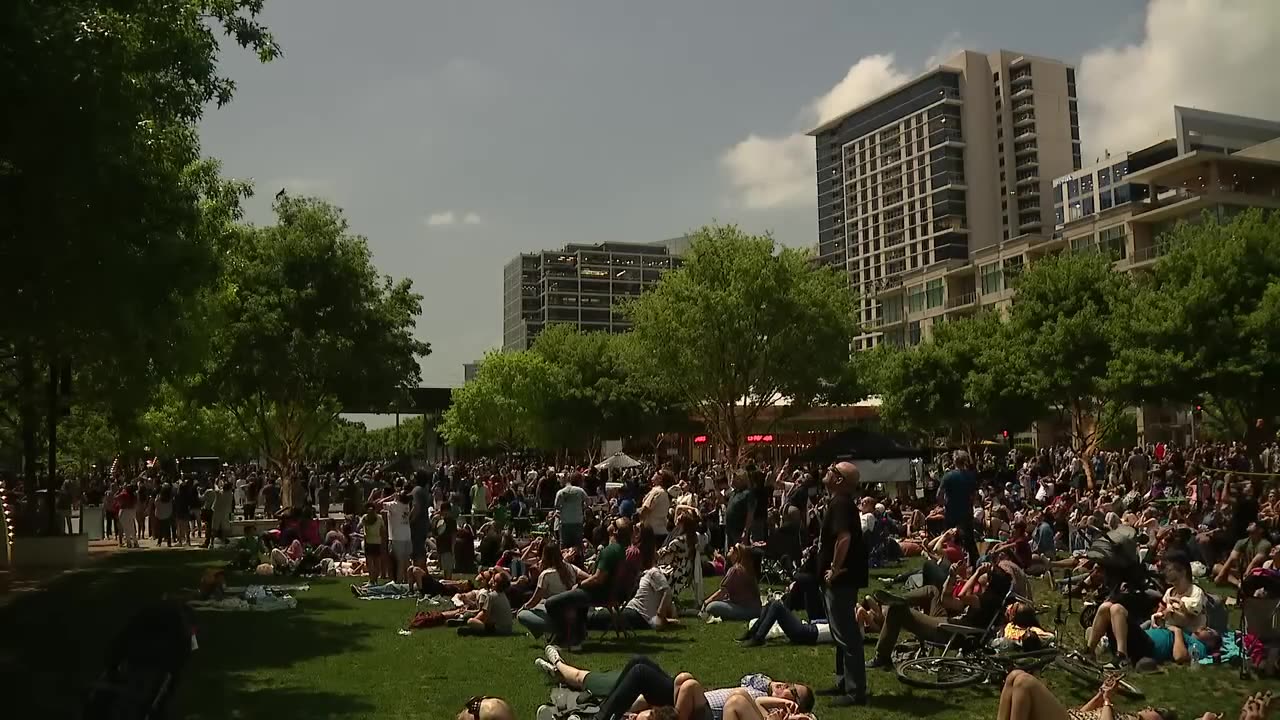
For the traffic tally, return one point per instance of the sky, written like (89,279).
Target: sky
(456,135)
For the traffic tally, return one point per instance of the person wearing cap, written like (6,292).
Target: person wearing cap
(842,567)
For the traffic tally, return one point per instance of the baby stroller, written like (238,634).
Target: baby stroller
(1259,601)
(143,665)
(1126,579)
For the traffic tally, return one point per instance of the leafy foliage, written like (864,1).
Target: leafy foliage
(740,326)
(1205,326)
(303,326)
(504,405)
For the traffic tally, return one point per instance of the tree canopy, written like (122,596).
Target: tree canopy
(1203,327)
(503,406)
(742,326)
(303,324)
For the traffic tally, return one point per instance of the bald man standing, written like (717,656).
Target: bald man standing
(842,565)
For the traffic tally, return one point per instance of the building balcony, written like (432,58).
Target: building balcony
(1027,119)
(1145,255)
(1024,105)
(1028,162)
(1021,78)
(1025,151)
(1028,207)
(959,301)
(1028,180)
(1023,91)
(1029,223)
(1031,192)
(1025,135)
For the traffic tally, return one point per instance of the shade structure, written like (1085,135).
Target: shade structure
(618,461)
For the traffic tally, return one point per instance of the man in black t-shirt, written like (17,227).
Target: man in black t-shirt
(842,567)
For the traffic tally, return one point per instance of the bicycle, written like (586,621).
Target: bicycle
(1081,666)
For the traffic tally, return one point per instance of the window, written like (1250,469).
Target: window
(1057,215)
(1073,188)
(1120,170)
(1086,184)
(1082,243)
(1104,200)
(992,280)
(891,311)
(1114,242)
(1104,177)
(1122,194)
(933,293)
(915,298)
(1087,204)
(913,333)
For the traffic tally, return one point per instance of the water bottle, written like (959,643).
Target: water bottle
(1197,652)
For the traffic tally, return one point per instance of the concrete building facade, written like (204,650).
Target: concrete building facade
(1121,205)
(580,285)
(954,162)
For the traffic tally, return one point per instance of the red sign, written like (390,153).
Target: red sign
(759,438)
(700,439)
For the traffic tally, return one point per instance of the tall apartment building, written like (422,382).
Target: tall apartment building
(580,285)
(952,162)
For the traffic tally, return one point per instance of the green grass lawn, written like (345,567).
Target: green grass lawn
(338,657)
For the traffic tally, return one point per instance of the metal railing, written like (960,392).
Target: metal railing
(968,298)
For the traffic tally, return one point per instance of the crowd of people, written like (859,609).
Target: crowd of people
(561,552)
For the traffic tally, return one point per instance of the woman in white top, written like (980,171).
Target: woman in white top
(1183,605)
(556,577)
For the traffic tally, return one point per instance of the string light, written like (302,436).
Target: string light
(8,517)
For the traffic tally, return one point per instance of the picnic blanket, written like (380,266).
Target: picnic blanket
(254,598)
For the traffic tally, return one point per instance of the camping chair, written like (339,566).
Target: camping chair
(1259,602)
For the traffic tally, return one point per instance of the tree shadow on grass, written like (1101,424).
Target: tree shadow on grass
(56,638)
(912,704)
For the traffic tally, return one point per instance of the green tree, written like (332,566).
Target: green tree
(742,326)
(960,383)
(105,228)
(503,406)
(1204,327)
(304,326)
(592,395)
(1062,338)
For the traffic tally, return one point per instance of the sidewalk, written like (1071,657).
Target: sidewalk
(13,583)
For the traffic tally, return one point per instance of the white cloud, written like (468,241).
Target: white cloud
(776,172)
(444,218)
(1209,54)
(439,219)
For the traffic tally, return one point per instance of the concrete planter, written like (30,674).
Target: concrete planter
(56,551)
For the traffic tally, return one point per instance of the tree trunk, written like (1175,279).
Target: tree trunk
(26,397)
(52,525)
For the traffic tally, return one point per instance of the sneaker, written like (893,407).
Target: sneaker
(552,654)
(546,667)
(1119,663)
(545,712)
(879,664)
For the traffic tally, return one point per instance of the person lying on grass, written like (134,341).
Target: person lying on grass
(421,582)
(486,708)
(1025,697)
(494,616)
(643,684)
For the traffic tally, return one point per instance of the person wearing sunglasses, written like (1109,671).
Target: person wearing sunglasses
(486,708)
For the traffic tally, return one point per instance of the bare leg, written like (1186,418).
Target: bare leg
(573,678)
(1029,698)
(691,699)
(1120,629)
(1181,655)
(738,706)
(1225,571)
(1101,620)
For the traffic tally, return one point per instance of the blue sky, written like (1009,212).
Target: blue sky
(458,134)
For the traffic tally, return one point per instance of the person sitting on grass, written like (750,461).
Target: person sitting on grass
(1248,553)
(1177,631)
(556,576)
(738,597)
(486,708)
(494,616)
(643,684)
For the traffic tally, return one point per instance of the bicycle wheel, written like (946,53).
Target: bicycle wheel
(1032,661)
(1088,671)
(941,673)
